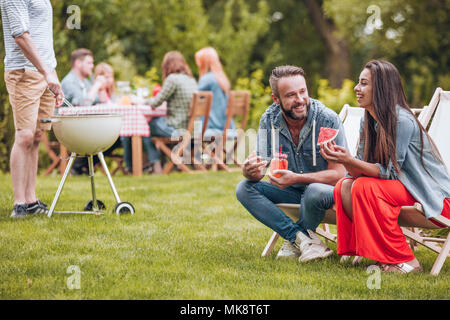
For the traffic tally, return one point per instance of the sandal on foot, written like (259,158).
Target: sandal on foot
(401,268)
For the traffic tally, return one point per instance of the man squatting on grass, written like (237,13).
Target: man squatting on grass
(309,179)
(29,69)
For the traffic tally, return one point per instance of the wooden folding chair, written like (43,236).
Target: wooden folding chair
(225,149)
(238,106)
(200,107)
(410,216)
(118,160)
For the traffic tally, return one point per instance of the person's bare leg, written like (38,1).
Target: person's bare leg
(346,197)
(30,191)
(19,163)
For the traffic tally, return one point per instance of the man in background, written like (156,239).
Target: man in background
(80,91)
(76,85)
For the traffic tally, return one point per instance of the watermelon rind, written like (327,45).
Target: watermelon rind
(324,135)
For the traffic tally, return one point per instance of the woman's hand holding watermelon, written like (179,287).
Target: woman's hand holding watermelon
(355,168)
(330,151)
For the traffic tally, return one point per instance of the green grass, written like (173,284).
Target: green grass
(189,239)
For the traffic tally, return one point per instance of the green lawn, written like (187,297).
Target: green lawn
(189,239)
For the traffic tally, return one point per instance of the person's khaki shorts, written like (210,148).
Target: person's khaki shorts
(30,100)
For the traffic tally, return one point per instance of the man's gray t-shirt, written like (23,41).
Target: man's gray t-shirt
(34,17)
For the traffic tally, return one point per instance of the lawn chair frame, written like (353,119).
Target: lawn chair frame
(200,107)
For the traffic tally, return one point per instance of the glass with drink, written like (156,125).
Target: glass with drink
(278,162)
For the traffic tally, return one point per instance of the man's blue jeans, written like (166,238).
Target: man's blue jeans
(159,128)
(260,199)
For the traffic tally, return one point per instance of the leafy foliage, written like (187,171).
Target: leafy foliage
(252,37)
(414,35)
(336,98)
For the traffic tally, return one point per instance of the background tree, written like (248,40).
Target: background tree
(330,39)
(413,34)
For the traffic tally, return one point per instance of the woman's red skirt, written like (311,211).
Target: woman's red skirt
(374,232)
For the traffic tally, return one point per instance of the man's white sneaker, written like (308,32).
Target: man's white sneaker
(288,250)
(311,247)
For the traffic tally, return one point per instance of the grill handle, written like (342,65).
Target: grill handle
(65,101)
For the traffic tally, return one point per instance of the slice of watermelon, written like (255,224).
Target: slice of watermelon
(326,135)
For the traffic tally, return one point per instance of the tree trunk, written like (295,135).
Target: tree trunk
(337,54)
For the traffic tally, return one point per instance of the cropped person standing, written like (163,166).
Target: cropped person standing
(29,70)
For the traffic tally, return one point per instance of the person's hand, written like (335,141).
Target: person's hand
(55,87)
(254,167)
(332,152)
(100,82)
(102,96)
(286,178)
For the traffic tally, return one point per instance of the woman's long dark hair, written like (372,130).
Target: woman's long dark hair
(380,143)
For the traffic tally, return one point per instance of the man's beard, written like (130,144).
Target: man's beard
(290,113)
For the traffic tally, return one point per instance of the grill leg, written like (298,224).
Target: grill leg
(61,184)
(91,174)
(108,175)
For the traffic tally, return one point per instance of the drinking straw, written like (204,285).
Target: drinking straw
(281,149)
(314,142)
(273,140)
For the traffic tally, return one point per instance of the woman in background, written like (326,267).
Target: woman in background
(106,92)
(213,78)
(177,90)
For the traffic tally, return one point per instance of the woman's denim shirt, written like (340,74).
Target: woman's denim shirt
(428,189)
(218,114)
(300,157)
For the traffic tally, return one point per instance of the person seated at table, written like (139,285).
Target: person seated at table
(397,164)
(76,85)
(213,78)
(106,91)
(177,90)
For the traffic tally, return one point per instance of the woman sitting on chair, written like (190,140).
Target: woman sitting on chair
(397,165)
(213,78)
(177,89)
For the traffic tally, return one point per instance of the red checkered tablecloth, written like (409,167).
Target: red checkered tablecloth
(135,118)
